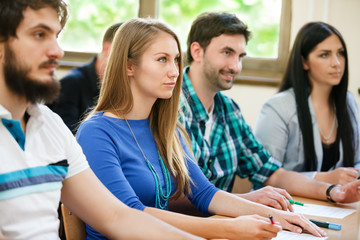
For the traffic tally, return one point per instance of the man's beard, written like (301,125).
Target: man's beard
(212,74)
(18,81)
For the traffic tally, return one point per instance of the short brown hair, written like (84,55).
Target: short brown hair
(11,14)
(210,25)
(110,32)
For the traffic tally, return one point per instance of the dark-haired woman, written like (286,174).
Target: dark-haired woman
(312,124)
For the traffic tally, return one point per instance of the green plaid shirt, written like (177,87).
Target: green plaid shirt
(233,148)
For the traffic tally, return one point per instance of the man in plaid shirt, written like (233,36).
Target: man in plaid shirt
(223,144)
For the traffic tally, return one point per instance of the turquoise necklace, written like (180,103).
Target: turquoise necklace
(162,199)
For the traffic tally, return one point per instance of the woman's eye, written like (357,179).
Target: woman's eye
(324,55)
(163,60)
(177,60)
(341,53)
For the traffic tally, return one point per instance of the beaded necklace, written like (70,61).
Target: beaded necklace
(162,199)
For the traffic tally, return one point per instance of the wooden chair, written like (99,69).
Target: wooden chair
(241,185)
(74,227)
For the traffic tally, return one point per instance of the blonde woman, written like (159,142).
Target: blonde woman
(138,150)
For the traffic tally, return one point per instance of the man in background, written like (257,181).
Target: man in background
(80,87)
(223,144)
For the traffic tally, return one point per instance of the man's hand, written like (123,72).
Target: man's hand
(347,193)
(270,196)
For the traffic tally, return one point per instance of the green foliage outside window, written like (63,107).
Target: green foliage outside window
(89,19)
(261,16)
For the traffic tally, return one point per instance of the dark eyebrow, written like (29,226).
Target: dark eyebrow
(229,49)
(45,27)
(328,51)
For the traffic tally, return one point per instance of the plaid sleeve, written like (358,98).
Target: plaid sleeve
(254,160)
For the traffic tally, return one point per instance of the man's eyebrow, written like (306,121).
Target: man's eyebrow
(45,27)
(243,54)
(229,49)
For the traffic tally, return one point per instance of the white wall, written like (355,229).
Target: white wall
(343,14)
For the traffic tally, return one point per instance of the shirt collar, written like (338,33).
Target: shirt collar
(4,113)
(33,110)
(200,112)
(197,107)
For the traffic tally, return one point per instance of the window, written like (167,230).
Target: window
(261,16)
(89,19)
(269,21)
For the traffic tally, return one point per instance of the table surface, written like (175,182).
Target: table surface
(350,224)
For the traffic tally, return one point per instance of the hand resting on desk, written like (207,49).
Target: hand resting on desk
(270,196)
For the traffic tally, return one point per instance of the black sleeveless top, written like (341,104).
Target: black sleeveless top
(331,154)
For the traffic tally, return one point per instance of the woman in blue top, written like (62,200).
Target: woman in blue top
(138,150)
(312,125)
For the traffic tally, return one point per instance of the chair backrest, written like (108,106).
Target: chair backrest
(73,226)
(241,185)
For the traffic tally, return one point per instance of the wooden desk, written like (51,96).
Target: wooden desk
(350,224)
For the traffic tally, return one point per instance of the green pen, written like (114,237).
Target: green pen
(295,202)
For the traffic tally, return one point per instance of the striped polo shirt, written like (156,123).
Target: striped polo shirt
(32,169)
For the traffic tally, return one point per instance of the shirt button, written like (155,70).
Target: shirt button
(9,125)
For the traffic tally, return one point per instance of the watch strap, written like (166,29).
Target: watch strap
(328,190)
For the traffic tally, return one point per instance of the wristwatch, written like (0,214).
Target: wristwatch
(328,192)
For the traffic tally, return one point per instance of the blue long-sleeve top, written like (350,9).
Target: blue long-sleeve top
(117,161)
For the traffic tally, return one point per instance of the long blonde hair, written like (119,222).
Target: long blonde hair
(130,42)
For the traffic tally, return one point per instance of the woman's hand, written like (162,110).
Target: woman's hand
(341,175)
(251,227)
(347,193)
(297,223)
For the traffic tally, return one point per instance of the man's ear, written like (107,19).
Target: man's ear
(106,48)
(197,52)
(305,64)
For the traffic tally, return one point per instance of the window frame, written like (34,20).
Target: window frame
(256,71)
(270,71)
